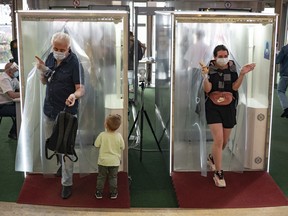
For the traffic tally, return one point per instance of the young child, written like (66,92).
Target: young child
(110,144)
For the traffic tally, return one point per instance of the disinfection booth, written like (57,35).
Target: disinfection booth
(190,38)
(100,41)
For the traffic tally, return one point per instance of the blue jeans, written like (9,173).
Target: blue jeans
(281,90)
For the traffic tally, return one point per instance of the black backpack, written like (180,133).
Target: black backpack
(62,140)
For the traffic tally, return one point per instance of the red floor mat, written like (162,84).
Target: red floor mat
(244,190)
(42,190)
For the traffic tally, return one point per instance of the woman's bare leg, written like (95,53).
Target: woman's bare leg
(217,146)
(226,135)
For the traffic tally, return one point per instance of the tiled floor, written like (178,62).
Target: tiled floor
(9,209)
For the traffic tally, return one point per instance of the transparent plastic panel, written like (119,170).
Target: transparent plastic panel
(191,47)
(99,43)
(248,39)
(163,57)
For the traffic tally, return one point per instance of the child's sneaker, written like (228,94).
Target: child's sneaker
(113,195)
(219,179)
(211,163)
(98,195)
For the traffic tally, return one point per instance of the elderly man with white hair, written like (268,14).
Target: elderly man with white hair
(9,90)
(62,74)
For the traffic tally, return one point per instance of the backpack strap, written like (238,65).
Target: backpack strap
(68,156)
(46,153)
(61,124)
(70,118)
(74,133)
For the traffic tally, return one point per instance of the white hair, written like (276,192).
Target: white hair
(61,36)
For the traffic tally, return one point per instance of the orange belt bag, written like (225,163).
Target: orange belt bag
(221,98)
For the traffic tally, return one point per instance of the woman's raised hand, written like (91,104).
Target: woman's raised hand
(247,68)
(204,69)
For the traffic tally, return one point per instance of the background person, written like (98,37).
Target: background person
(111,145)
(221,75)
(61,74)
(282,59)
(9,90)
(198,51)
(141,52)
(131,51)
(14,51)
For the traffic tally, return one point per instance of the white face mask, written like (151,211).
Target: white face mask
(59,55)
(16,74)
(222,61)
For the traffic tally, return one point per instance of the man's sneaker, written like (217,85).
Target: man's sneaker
(66,192)
(211,163)
(219,179)
(98,195)
(113,195)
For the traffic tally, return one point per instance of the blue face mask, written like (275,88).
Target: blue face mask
(16,74)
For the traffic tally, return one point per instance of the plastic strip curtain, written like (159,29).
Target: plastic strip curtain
(194,43)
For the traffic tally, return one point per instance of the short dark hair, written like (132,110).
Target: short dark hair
(220,48)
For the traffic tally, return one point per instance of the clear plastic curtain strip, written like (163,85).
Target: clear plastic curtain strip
(94,44)
(194,43)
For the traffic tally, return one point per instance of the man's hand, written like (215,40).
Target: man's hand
(41,65)
(70,101)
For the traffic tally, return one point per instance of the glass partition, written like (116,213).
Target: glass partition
(99,39)
(163,47)
(249,38)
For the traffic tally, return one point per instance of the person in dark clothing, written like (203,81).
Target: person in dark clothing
(221,76)
(141,50)
(61,73)
(131,51)
(282,59)
(14,51)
